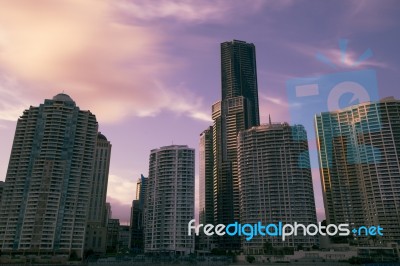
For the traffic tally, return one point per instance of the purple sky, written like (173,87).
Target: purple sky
(150,71)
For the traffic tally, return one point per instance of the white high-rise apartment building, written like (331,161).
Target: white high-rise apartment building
(46,194)
(169,204)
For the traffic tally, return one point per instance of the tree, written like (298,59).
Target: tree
(218,251)
(288,251)
(250,259)
(268,248)
(315,247)
(88,253)
(73,256)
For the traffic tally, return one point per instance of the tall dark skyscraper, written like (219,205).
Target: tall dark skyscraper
(239,77)
(48,183)
(238,110)
(137,226)
(206,189)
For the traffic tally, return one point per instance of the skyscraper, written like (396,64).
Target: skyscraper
(275,182)
(358,150)
(169,204)
(238,110)
(141,187)
(239,77)
(206,189)
(48,182)
(96,231)
(136,225)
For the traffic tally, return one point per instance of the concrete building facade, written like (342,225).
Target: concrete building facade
(45,201)
(238,110)
(96,231)
(275,183)
(359,150)
(169,204)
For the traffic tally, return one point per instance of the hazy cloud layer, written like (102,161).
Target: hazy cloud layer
(192,11)
(114,69)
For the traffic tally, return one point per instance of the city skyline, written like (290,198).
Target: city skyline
(168,79)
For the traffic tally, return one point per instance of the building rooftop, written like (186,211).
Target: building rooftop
(101,136)
(62,97)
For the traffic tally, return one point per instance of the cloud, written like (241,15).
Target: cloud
(333,54)
(279,102)
(120,194)
(179,100)
(274,100)
(111,68)
(276,108)
(364,15)
(122,190)
(351,59)
(12,102)
(119,210)
(207,11)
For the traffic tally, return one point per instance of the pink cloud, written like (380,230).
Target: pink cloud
(207,11)
(120,210)
(113,69)
(333,53)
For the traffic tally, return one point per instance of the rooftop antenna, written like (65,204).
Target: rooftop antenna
(269,116)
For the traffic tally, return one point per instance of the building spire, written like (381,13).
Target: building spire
(269,118)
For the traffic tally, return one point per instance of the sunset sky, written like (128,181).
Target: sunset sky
(150,70)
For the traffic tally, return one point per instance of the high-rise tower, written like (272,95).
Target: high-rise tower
(358,150)
(169,204)
(45,200)
(206,189)
(238,110)
(239,77)
(96,232)
(275,182)
(136,225)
